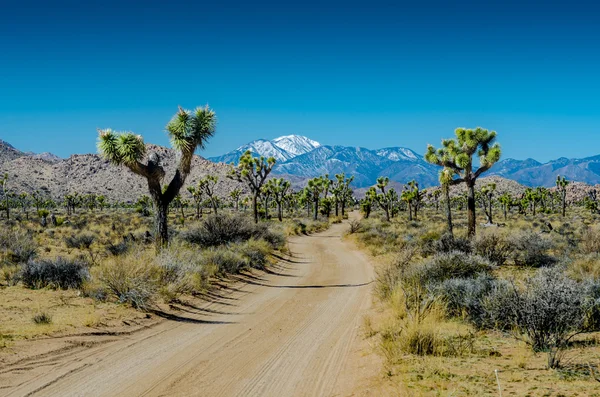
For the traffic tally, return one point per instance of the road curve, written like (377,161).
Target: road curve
(286,333)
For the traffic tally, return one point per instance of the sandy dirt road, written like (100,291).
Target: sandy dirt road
(291,332)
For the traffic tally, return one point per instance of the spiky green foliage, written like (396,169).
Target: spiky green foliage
(253,171)
(457,155)
(190,129)
(187,130)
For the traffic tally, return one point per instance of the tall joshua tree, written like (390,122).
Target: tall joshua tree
(316,188)
(457,154)
(188,131)
(561,185)
(253,171)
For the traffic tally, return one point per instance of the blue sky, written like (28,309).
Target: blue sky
(370,74)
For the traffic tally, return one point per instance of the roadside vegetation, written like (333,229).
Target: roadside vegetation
(467,306)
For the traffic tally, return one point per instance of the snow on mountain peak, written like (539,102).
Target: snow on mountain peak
(296,144)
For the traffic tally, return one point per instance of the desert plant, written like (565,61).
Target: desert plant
(42,318)
(130,279)
(493,246)
(457,155)
(58,273)
(188,130)
(531,249)
(445,266)
(253,171)
(207,186)
(561,185)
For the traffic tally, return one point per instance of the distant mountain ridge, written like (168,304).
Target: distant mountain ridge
(400,164)
(282,149)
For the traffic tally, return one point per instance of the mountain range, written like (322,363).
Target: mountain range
(303,158)
(299,158)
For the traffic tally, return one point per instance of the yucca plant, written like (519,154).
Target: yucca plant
(457,155)
(188,131)
(253,171)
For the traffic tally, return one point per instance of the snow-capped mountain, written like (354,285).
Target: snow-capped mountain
(399,153)
(296,144)
(282,149)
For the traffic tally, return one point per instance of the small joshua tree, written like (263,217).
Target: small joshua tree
(197,196)
(457,154)
(253,171)
(487,197)
(207,185)
(341,190)
(561,185)
(4,184)
(278,188)
(188,131)
(235,195)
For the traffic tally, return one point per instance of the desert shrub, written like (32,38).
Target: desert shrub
(42,318)
(432,243)
(10,274)
(256,252)
(531,249)
(118,249)
(585,267)
(547,311)
(355,226)
(181,271)
(18,246)
(80,241)
(224,229)
(464,297)
(131,279)
(590,241)
(493,246)
(224,260)
(389,275)
(449,265)
(58,273)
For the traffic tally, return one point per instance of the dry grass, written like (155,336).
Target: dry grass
(68,309)
(441,356)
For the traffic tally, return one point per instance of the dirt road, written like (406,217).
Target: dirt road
(292,332)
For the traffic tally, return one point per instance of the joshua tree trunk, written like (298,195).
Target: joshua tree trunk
(491,213)
(255,206)
(471,208)
(279,211)
(505,211)
(161,225)
(266,208)
(336,207)
(409,212)
(214,205)
(316,215)
(343,207)
(448,209)
(564,202)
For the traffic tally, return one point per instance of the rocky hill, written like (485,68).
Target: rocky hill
(89,173)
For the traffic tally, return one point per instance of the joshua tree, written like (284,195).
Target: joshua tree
(367,203)
(316,187)
(487,197)
(446,177)
(253,171)
(408,195)
(101,200)
(383,199)
(506,200)
(207,185)
(414,197)
(25,202)
(235,196)
(457,154)
(305,198)
(197,196)
(4,184)
(278,187)
(341,191)
(188,131)
(561,186)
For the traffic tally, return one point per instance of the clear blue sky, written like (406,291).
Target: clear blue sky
(366,73)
